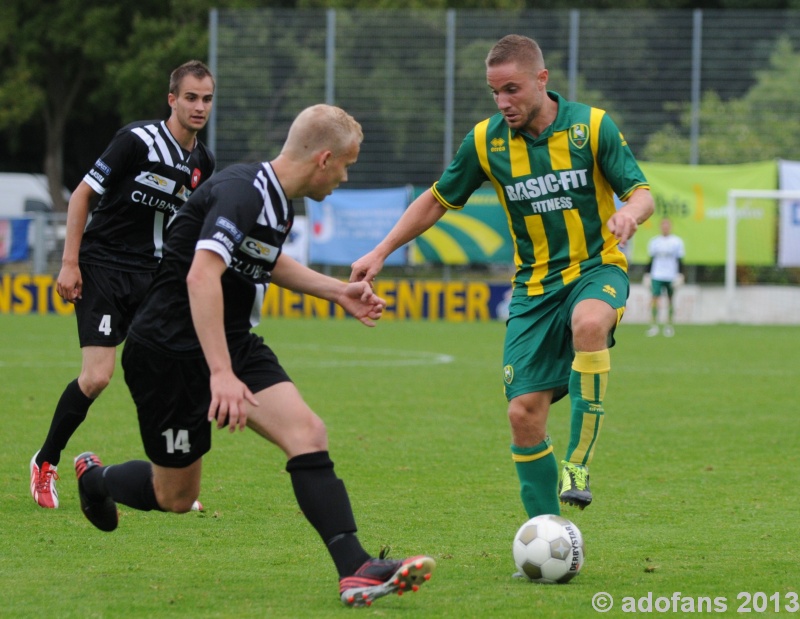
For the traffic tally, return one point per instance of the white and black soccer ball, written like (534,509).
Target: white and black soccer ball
(549,549)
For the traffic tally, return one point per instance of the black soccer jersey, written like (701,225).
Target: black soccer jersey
(241,214)
(143,177)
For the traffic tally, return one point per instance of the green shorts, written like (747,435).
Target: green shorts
(538,352)
(657,287)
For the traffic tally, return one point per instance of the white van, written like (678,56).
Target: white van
(23,196)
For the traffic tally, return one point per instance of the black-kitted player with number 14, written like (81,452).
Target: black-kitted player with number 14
(191,360)
(147,172)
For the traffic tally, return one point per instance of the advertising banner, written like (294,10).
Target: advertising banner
(351,222)
(789,235)
(296,246)
(24,293)
(407,299)
(14,239)
(477,234)
(695,198)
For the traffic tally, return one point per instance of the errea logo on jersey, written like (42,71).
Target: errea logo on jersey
(498,145)
(259,249)
(155,181)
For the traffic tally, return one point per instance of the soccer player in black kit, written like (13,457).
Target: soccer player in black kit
(145,175)
(191,360)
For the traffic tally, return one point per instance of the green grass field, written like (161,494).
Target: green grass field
(695,481)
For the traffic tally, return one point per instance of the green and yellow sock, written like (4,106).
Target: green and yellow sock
(537,470)
(587,388)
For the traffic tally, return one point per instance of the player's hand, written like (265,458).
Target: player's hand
(647,280)
(360,301)
(679,281)
(366,268)
(69,284)
(622,225)
(229,399)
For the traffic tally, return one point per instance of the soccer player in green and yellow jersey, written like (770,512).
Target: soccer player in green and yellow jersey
(555,166)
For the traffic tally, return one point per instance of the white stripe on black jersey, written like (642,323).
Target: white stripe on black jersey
(144,177)
(258,303)
(277,195)
(157,149)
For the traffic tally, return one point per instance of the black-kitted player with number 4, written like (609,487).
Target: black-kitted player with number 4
(145,175)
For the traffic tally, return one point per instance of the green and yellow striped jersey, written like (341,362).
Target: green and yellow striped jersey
(557,190)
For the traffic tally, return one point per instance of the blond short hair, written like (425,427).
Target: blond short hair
(322,127)
(516,48)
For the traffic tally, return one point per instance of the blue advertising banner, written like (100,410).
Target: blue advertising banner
(351,222)
(14,239)
(789,237)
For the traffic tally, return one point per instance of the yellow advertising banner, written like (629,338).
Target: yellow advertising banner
(695,199)
(407,299)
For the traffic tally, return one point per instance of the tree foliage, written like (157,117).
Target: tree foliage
(62,61)
(71,71)
(761,125)
(51,52)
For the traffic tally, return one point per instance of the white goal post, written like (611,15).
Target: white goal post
(734,196)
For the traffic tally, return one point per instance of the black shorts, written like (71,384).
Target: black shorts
(172,395)
(108,302)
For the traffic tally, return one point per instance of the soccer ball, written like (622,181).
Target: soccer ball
(549,549)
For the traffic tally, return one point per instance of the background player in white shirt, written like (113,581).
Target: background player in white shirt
(664,274)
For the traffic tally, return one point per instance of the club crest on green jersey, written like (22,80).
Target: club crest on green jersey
(508,374)
(579,135)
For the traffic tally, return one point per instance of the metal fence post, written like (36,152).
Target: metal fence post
(697,56)
(213,48)
(330,57)
(449,86)
(39,242)
(572,67)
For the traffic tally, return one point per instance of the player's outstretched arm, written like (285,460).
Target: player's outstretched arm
(356,298)
(421,214)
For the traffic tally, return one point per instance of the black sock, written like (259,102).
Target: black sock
(323,500)
(70,412)
(129,483)
(347,553)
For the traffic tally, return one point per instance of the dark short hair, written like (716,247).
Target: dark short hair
(195,68)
